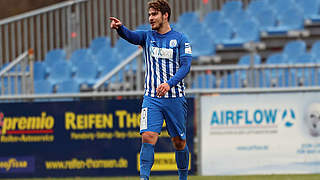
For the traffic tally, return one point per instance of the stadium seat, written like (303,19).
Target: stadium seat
(187,18)
(230,81)
(54,56)
(294,49)
(230,7)
(68,86)
(276,77)
(202,46)
(196,29)
(315,51)
(107,60)
(39,70)
(124,49)
(99,43)
(43,87)
(246,31)
(220,32)
(60,72)
(310,8)
(291,19)
(212,18)
(14,85)
(281,6)
(87,73)
(305,58)
(276,58)
(256,6)
(204,80)
(238,18)
(246,59)
(81,55)
(266,19)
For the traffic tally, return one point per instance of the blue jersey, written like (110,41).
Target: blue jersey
(167,59)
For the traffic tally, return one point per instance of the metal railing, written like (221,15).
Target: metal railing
(17,77)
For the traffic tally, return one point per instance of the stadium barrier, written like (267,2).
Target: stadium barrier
(80,138)
(17,76)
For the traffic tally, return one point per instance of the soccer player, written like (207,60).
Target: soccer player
(168,58)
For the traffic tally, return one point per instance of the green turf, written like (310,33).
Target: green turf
(260,177)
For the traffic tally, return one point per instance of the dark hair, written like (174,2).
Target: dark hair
(160,5)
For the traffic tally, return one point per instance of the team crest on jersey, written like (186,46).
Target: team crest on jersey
(173,43)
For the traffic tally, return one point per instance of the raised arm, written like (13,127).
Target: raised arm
(134,37)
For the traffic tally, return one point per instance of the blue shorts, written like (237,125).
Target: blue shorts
(172,110)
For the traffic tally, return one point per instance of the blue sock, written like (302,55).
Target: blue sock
(146,160)
(182,159)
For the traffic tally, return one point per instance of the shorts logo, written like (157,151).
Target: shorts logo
(144,119)
(173,43)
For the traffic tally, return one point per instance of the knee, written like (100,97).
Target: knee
(178,143)
(150,137)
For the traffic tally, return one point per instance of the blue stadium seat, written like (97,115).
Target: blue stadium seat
(276,77)
(283,5)
(294,49)
(13,89)
(292,19)
(54,56)
(246,59)
(124,49)
(80,55)
(202,46)
(68,86)
(99,43)
(220,32)
(230,81)
(212,18)
(246,31)
(310,8)
(240,16)
(87,73)
(195,29)
(305,58)
(230,7)
(188,18)
(43,87)
(315,51)
(60,72)
(107,59)
(276,58)
(266,19)
(39,70)
(256,6)
(289,19)
(205,80)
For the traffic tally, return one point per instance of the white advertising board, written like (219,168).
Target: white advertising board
(260,134)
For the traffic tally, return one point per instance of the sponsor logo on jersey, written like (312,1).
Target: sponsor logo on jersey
(161,52)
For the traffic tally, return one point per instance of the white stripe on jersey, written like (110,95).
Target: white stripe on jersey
(157,72)
(151,77)
(147,72)
(164,74)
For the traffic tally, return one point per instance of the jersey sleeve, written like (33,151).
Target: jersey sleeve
(185,59)
(134,37)
(185,47)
